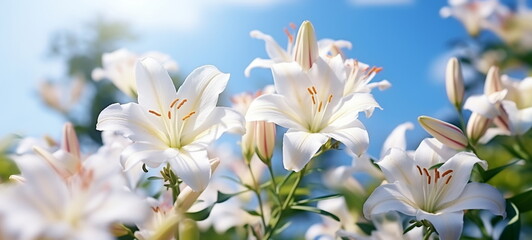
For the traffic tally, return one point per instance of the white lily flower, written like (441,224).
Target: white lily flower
(328,227)
(474,14)
(84,206)
(388,226)
(510,108)
(170,126)
(358,76)
(277,54)
(439,195)
(119,67)
(312,106)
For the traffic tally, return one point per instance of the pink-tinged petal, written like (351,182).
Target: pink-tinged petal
(258,62)
(133,121)
(152,155)
(299,147)
(220,120)
(155,88)
(482,105)
(431,152)
(354,137)
(461,165)
(350,106)
(193,167)
(520,119)
(274,108)
(275,52)
(448,225)
(388,198)
(397,138)
(201,89)
(477,196)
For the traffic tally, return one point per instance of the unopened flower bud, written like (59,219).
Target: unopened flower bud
(265,140)
(477,126)
(248,141)
(70,140)
(454,83)
(306,46)
(444,132)
(493,81)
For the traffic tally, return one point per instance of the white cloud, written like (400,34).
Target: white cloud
(380,2)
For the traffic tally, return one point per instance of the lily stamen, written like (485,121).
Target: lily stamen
(174,102)
(181,104)
(154,113)
(188,116)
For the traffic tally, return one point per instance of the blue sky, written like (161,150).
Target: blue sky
(407,38)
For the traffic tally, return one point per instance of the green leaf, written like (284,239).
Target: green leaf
(310,200)
(222,197)
(512,230)
(155,178)
(253,213)
(522,201)
(367,228)
(438,165)
(315,210)
(200,215)
(489,174)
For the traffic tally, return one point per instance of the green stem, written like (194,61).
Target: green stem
(272,176)
(286,204)
(462,121)
(257,193)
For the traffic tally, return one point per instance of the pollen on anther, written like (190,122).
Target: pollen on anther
(428,175)
(446,172)
(181,104)
(188,116)
(310,91)
(319,107)
(314,90)
(330,98)
(169,115)
(154,113)
(313,100)
(419,169)
(448,179)
(174,102)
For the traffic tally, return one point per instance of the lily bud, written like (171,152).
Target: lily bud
(493,81)
(444,132)
(70,140)
(454,83)
(248,141)
(265,140)
(477,126)
(306,46)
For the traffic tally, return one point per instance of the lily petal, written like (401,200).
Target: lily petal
(274,108)
(397,138)
(462,165)
(478,196)
(275,52)
(354,137)
(387,198)
(350,106)
(131,120)
(193,167)
(155,88)
(482,105)
(201,89)
(431,152)
(152,155)
(220,120)
(448,225)
(258,62)
(521,120)
(299,147)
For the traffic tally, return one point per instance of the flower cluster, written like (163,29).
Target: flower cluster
(162,173)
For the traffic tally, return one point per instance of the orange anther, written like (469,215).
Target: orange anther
(419,169)
(174,102)
(446,172)
(448,179)
(181,104)
(154,113)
